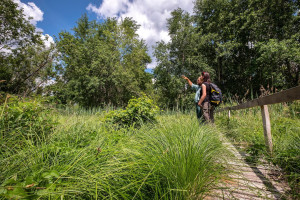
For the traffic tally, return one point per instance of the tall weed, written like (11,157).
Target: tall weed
(85,158)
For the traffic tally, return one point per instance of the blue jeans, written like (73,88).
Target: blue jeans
(198,111)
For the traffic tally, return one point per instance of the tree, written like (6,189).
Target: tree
(243,45)
(283,61)
(102,63)
(239,32)
(24,58)
(15,30)
(177,57)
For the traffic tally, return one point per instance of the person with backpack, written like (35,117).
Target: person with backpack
(197,88)
(205,99)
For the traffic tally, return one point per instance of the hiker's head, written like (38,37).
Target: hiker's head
(199,80)
(205,77)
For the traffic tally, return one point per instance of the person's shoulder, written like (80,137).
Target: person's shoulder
(195,86)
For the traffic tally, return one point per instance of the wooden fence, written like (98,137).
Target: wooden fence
(280,97)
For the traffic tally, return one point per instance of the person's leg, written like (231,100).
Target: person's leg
(206,111)
(211,114)
(201,119)
(198,111)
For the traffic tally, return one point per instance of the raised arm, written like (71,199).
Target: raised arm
(188,80)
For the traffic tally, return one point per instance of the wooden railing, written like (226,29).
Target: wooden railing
(280,97)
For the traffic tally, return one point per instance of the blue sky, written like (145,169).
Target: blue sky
(61,15)
(54,16)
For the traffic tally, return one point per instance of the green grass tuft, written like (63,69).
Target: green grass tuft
(84,158)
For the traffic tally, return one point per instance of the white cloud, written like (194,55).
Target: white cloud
(43,83)
(47,40)
(31,10)
(152,65)
(150,14)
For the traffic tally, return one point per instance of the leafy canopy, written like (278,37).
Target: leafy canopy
(102,63)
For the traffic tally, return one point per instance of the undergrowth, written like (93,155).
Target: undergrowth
(138,111)
(245,128)
(86,158)
(25,121)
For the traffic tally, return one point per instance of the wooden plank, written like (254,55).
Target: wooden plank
(248,181)
(267,128)
(280,97)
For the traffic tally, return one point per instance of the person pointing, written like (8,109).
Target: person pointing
(197,88)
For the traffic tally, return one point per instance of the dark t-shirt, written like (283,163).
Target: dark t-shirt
(207,92)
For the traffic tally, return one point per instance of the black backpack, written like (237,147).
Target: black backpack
(215,95)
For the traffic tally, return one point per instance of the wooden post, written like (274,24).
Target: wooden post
(267,127)
(228,114)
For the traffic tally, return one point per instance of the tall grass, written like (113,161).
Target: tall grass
(87,159)
(245,128)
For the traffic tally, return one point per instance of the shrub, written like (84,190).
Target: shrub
(138,111)
(24,120)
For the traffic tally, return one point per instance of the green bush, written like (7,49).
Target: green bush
(24,121)
(138,111)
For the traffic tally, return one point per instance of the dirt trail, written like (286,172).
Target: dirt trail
(249,181)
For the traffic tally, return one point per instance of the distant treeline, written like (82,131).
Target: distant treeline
(245,46)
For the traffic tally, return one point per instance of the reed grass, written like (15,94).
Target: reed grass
(84,158)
